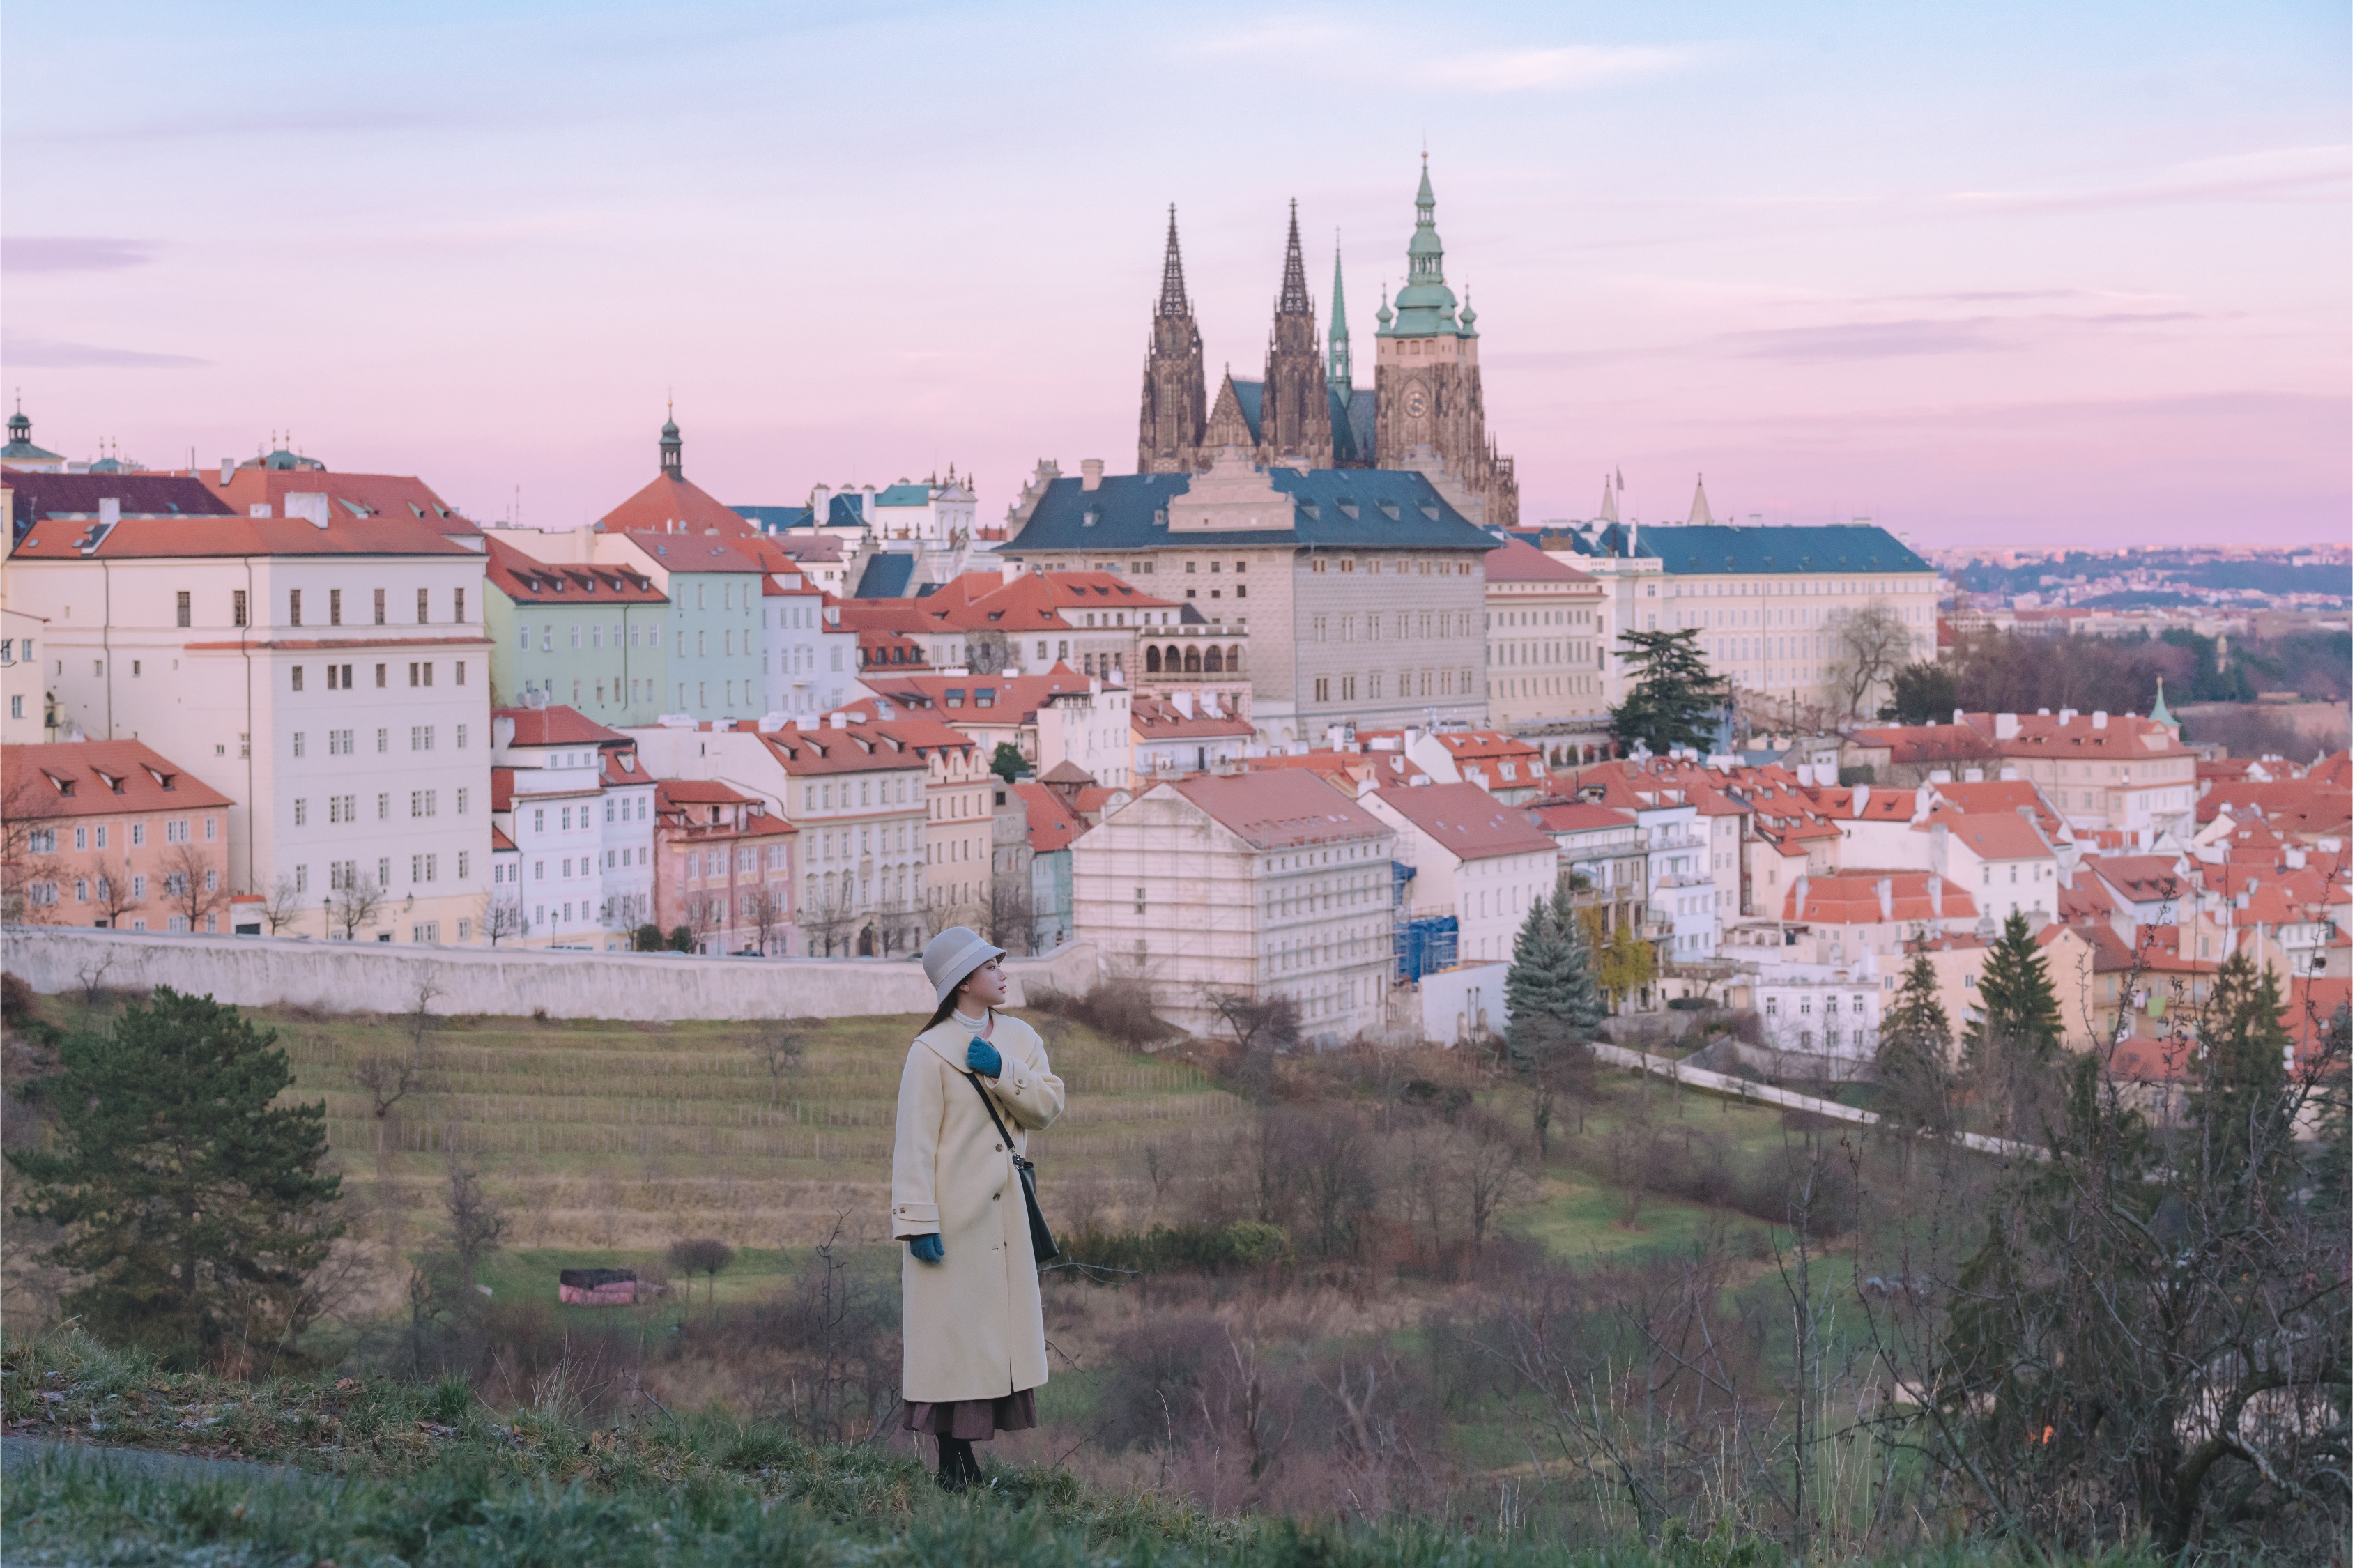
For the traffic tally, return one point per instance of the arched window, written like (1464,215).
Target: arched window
(1193,661)
(1152,660)
(1171,663)
(1235,658)
(1213,662)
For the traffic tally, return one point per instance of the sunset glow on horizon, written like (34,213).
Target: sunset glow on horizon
(2002,276)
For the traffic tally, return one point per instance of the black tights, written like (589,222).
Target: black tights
(958,1467)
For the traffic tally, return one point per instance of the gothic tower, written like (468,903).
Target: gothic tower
(1336,339)
(1295,424)
(1428,409)
(1169,425)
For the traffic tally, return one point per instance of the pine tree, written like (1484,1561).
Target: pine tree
(1917,1042)
(1674,700)
(1552,1003)
(2020,1017)
(2241,1100)
(193,1206)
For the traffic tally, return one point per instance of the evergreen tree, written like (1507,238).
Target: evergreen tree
(1921,693)
(2020,1016)
(193,1206)
(1917,1043)
(1674,700)
(1007,762)
(2241,1096)
(1549,990)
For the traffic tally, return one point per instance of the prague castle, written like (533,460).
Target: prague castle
(1424,410)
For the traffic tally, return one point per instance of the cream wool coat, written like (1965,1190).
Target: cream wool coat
(971,1321)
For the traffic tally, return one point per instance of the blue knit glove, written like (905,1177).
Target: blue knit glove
(982,1058)
(925,1248)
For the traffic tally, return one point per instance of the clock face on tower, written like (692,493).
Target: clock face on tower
(1415,404)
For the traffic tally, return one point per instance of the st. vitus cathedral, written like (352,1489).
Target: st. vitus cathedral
(1423,411)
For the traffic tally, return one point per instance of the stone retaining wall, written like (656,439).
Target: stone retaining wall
(338,977)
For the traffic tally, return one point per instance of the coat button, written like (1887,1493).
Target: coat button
(996,1196)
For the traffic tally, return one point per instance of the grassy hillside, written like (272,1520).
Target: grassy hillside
(622,1137)
(426,1473)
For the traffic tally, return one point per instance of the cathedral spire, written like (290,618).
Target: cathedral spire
(1700,512)
(1337,336)
(1173,275)
(670,444)
(1294,300)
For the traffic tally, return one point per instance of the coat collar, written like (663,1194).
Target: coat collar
(947,1040)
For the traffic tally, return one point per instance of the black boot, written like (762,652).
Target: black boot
(958,1467)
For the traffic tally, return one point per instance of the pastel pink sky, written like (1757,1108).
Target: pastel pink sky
(1986,273)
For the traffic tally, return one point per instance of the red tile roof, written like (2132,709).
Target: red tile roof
(1280,810)
(348,494)
(1853,898)
(557,725)
(151,538)
(1519,561)
(1571,817)
(983,701)
(1051,824)
(97,778)
(527,579)
(1465,821)
(2003,835)
(1155,719)
(665,502)
(696,552)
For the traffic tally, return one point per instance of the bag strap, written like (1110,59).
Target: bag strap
(991,1107)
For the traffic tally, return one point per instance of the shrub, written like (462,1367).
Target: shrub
(1245,1245)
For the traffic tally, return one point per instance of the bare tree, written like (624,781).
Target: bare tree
(192,885)
(1006,919)
(111,893)
(780,1045)
(766,910)
(282,905)
(1867,645)
(1487,1169)
(353,904)
(389,1079)
(1259,1022)
(501,918)
(28,845)
(706,1256)
(477,1221)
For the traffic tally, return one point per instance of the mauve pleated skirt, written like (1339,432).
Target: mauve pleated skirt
(974,1420)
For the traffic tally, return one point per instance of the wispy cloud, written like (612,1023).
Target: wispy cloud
(2274,174)
(1554,69)
(1927,336)
(61,253)
(1531,68)
(54,354)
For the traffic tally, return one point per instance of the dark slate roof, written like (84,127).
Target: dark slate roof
(1353,426)
(886,576)
(774,519)
(1124,505)
(1251,395)
(1698,548)
(39,496)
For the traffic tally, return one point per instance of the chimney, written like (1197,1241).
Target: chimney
(1858,798)
(2067,717)
(1090,473)
(1958,715)
(1974,775)
(821,502)
(1887,892)
(1799,898)
(229,470)
(2100,718)
(1183,701)
(1937,896)
(2006,726)
(109,511)
(867,504)
(309,504)
(839,720)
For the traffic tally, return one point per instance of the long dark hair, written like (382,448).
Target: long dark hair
(940,1014)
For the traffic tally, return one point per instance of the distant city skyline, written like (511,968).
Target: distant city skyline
(2002,276)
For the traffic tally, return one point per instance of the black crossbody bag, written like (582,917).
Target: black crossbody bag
(1042,1239)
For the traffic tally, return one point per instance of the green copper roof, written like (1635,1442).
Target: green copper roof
(1426,305)
(1337,336)
(2159,713)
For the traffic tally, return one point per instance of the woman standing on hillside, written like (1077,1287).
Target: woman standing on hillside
(974,1341)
